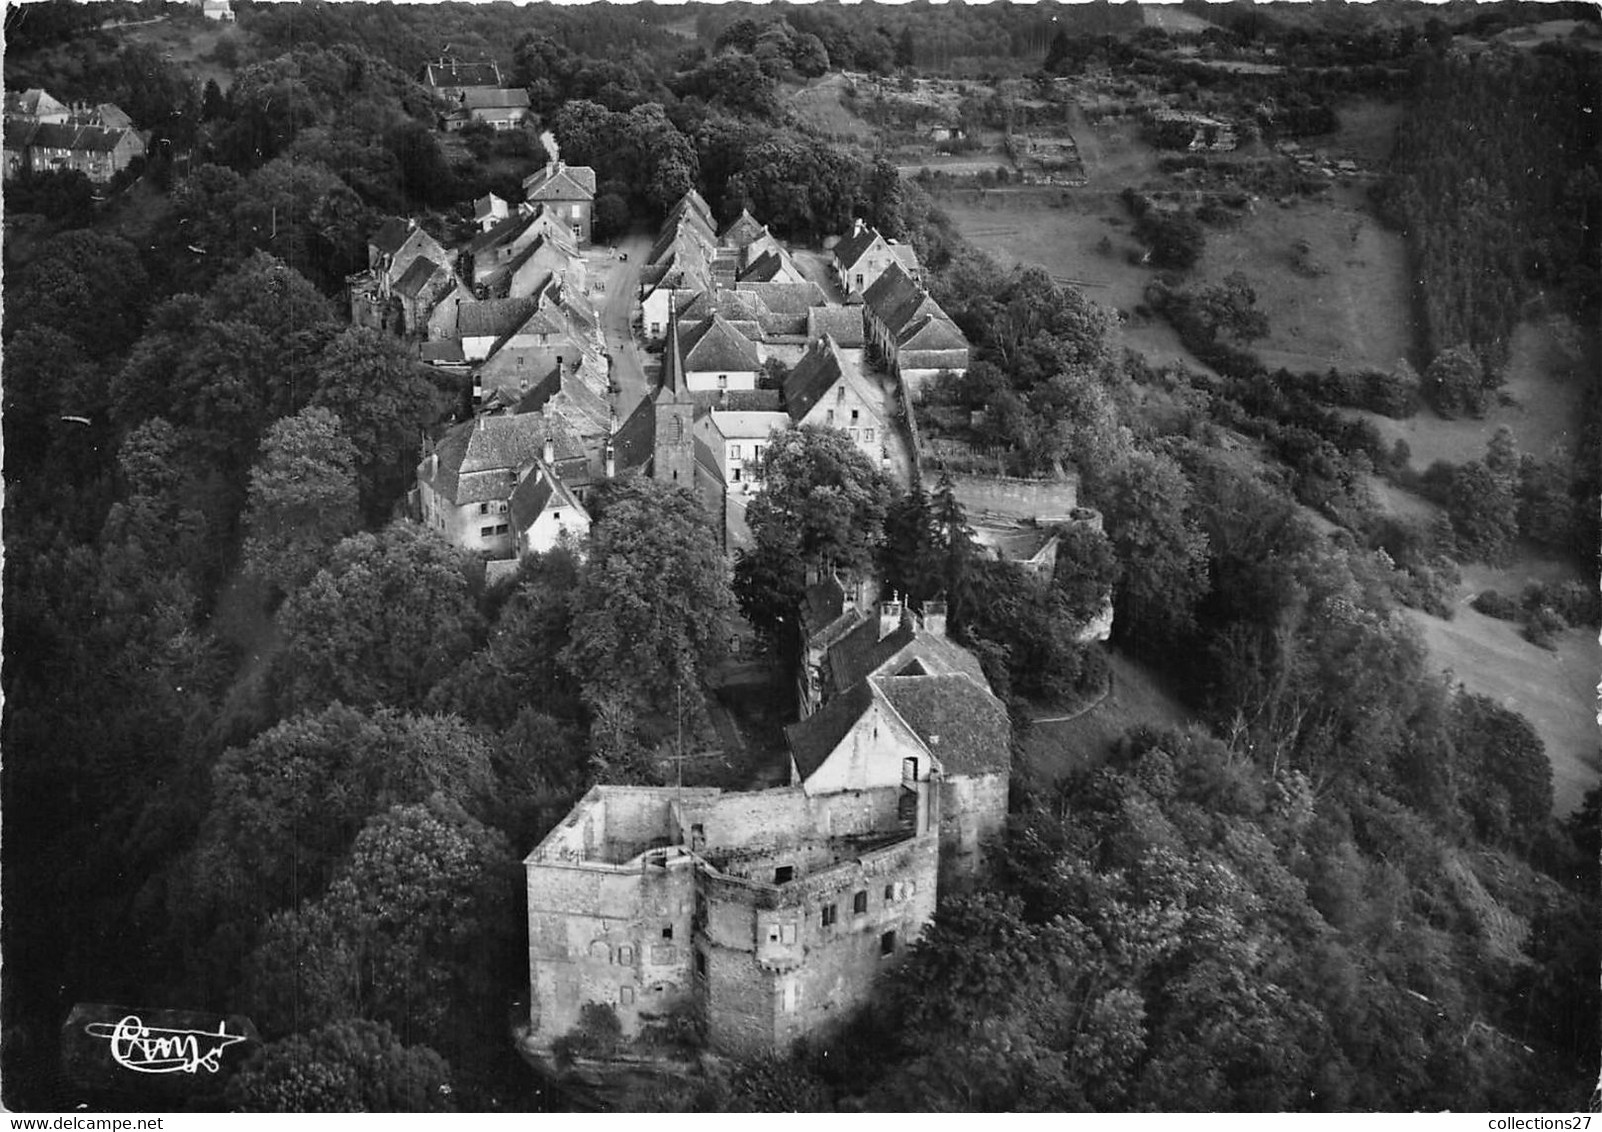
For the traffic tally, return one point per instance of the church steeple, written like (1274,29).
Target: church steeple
(675,387)
(674,450)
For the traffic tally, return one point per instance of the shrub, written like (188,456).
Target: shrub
(1497,605)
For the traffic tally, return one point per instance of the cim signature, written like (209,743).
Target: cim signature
(147,1049)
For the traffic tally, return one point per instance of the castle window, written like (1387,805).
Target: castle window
(483,508)
(859,903)
(625,996)
(700,963)
(889,893)
(828,915)
(625,956)
(667,932)
(784,874)
(887,943)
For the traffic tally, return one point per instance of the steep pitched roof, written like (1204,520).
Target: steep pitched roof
(538,492)
(417,276)
(449,72)
(493,318)
(446,350)
(898,301)
(855,246)
(788,298)
(820,369)
(937,655)
(843,324)
(736,306)
(850,659)
(770,267)
(682,235)
(476,456)
(19,132)
(715,345)
(634,444)
(674,385)
(34,103)
(932,331)
(815,738)
(90,139)
(964,726)
(908,255)
(741,230)
(488,205)
(393,233)
(560,181)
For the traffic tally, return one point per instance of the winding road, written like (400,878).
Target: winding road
(622,278)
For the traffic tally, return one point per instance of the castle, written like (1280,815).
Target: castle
(771,914)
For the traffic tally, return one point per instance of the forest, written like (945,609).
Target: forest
(271,750)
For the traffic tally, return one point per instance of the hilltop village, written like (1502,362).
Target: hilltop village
(714,558)
(771,913)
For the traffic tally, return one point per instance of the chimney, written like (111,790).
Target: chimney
(934,617)
(890,615)
(611,461)
(550,449)
(856,227)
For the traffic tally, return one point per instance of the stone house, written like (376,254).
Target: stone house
(502,108)
(911,332)
(828,390)
(488,211)
(737,440)
(569,190)
(98,152)
(221,10)
(863,255)
(451,79)
(717,356)
(35,104)
(465,484)
(487,255)
(545,513)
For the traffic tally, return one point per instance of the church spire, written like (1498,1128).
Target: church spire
(674,386)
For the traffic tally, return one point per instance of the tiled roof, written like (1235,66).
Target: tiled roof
(452,73)
(476,456)
(769,267)
(964,726)
(736,306)
(486,206)
(854,246)
(843,324)
(417,276)
(511,98)
(738,400)
(389,238)
(908,255)
(560,181)
(19,132)
(714,345)
(674,386)
(861,651)
(937,654)
(535,494)
(634,444)
(493,318)
(444,350)
(706,460)
(787,298)
(825,600)
(932,332)
(736,425)
(820,369)
(502,232)
(93,139)
(33,102)
(815,738)
(685,236)
(695,200)
(742,230)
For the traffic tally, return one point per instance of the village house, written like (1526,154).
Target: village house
(98,152)
(827,390)
(569,190)
(220,10)
(915,337)
(545,513)
(488,211)
(500,109)
(486,258)
(863,255)
(773,914)
(737,440)
(451,80)
(35,105)
(717,356)
(400,251)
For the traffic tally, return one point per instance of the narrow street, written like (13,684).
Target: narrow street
(622,281)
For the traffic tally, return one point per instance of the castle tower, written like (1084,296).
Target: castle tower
(674,453)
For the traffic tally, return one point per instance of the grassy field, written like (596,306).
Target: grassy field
(1138,698)
(1544,394)
(1357,312)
